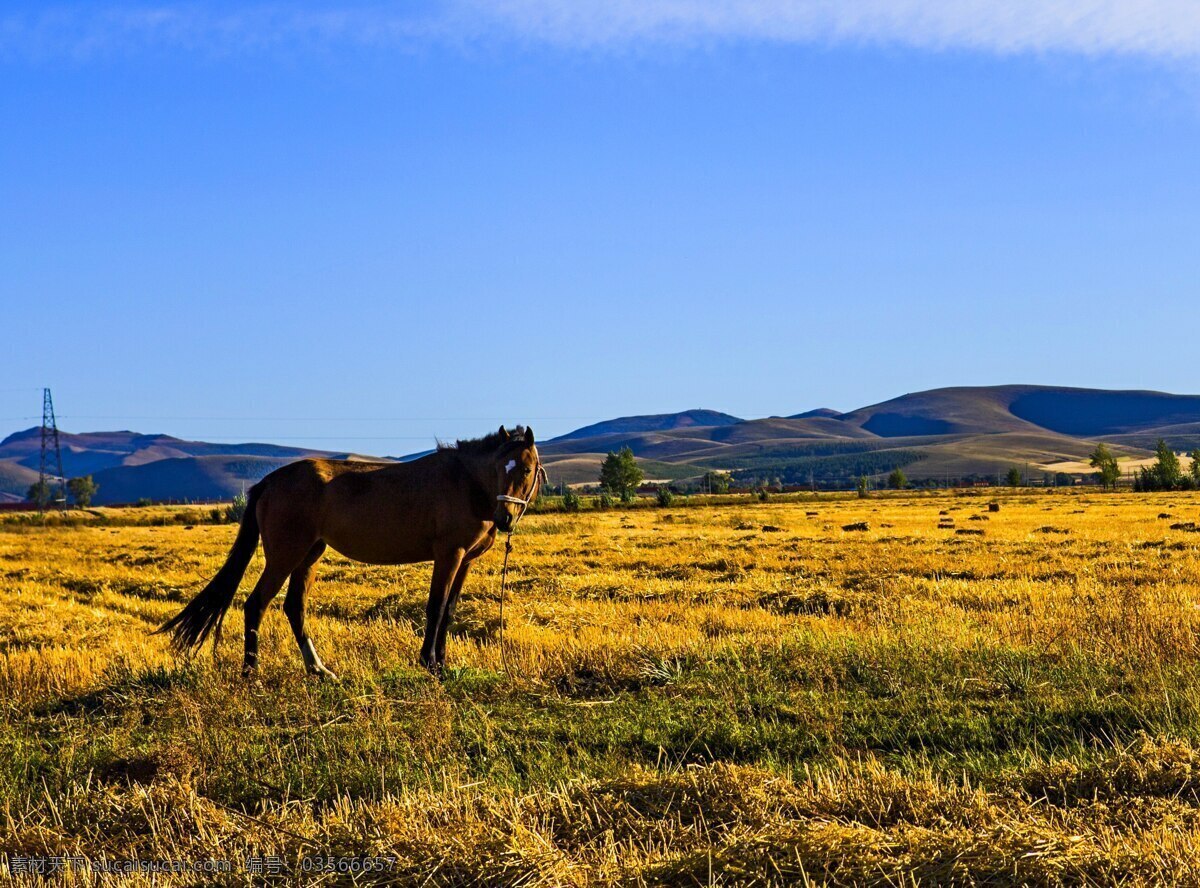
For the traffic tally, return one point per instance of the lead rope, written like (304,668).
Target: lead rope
(503,590)
(539,476)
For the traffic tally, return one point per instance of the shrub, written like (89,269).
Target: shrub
(236,510)
(663,495)
(604,500)
(628,496)
(571,501)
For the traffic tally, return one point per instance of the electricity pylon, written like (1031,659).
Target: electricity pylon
(52,487)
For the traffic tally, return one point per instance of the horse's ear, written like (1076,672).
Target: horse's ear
(528,435)
(503,433)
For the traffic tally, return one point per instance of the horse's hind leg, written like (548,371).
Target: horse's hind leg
(265,590)
(293,606)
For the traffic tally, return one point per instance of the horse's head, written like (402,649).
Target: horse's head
(518,473)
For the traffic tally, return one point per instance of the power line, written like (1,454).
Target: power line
(323,418)
(245,439)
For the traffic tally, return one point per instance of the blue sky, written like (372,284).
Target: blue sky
(358,226)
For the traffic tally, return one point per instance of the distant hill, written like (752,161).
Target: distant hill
(185,478)
(655,423)
(820,412)
(129,465)
(1015,408)
(944,434)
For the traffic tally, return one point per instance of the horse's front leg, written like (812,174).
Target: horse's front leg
(460,577)
(445,569)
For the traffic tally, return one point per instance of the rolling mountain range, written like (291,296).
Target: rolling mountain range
(130,466)
(944,434)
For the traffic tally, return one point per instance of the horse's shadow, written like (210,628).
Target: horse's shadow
(123,690)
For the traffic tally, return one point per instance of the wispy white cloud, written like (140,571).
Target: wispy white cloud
(1159,28)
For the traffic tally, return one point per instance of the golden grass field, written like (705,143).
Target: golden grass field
(737,694)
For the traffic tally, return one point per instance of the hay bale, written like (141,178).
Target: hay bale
(993,507)
(857,525)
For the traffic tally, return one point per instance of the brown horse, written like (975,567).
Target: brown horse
(445,507)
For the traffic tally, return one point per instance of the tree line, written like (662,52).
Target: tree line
(1166,472)
(81,491)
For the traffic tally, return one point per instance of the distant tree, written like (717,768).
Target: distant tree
(663,495)
(620,474)
(897,480)
(1013,478)
(1166,469)
(1062,479)
(1105,464)
(82,490)
(863,493)
(1195,469)
(717,482)
(39,493)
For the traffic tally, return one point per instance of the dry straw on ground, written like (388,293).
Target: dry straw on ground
(746,694)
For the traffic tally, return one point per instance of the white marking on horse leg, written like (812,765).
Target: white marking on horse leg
(311,661)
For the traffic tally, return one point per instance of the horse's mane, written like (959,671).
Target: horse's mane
(487,444)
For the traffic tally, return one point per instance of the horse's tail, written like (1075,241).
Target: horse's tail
(203,615)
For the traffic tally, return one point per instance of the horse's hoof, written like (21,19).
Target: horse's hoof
(322,673)
(435,669)
(249,671)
